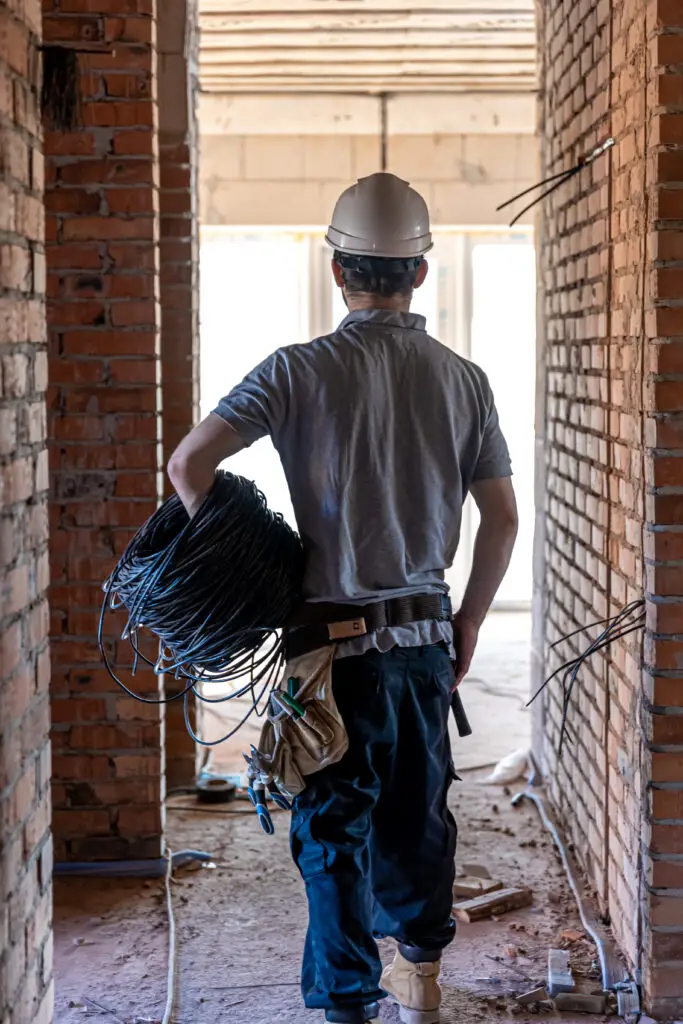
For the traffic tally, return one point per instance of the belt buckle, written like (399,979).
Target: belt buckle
(347,629)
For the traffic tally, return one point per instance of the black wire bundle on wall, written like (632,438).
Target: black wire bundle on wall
(629,620)
(215,590)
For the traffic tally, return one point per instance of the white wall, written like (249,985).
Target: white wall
(284,160)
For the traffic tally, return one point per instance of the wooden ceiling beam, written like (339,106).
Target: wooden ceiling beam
(384,39)
(298,69)
(360,87)
(233,7)
(369,56)
(325,21)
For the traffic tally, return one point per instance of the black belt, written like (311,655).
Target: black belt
(317,625)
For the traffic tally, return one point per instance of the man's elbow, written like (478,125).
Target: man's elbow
(178,469)
(508,515)
(501,521)
(189,472)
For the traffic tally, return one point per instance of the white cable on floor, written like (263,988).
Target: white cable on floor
(170,984)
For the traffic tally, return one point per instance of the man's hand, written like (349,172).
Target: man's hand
(465,635)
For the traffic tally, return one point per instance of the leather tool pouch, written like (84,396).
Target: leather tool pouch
(304,731)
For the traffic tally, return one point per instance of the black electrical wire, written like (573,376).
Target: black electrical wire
(557,181)
(629,620)
(215,590)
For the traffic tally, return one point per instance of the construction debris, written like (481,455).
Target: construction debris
(572,935)
(559,972)
(581,1002)
(494,904)
(468,887)
(509,769)
(536,995)
(476,870)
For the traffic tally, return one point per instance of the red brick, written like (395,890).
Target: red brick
(130,200)
(110,342)
(79,143)
(666,804)
(669,204)
(104,350)
(69,201)
(134,314)
(130,30)
(77,822)
(81,28)
(93,228)
(670,90)
(668,14)
(111,171)
(138,142)
(125,85)
(669,283)
(666,729)
(133,256)
(123,114)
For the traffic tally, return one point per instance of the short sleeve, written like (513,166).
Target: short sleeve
(494,457)
(256,407)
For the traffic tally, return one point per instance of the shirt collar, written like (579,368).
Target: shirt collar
(390,317)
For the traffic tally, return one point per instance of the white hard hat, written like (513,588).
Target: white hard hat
(380,216)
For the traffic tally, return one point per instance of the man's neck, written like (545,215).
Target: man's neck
(394,303)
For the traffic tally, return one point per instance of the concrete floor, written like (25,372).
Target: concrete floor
(240,926)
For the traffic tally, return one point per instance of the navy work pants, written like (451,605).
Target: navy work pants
(372,835)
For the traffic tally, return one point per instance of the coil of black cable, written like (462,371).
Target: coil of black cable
(215,590)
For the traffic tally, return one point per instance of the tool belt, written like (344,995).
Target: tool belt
(304,731)
(318,625)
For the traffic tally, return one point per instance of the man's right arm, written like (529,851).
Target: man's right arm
(493,546)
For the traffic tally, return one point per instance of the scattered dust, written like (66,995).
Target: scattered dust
(241,926)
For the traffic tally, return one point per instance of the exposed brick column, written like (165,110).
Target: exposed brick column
(612,285)
(104,402)
(662,703)
(26,992)
(590,491)
(178,144)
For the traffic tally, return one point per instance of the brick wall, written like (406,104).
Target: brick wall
(26,995)
(662,701)
(610,443)
(104,421)
(270,179)
(179,291)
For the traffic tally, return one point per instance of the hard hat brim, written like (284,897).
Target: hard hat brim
(407,248)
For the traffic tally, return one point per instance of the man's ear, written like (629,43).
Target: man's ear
(422,272)
(337,273)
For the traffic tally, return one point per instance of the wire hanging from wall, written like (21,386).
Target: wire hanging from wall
(557,181)
(214,590)
(629,620)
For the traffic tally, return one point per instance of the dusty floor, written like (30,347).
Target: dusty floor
(240,926)
(494,694)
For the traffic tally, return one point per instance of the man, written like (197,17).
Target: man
(382,432)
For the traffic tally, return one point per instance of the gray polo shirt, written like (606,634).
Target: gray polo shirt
(380,430)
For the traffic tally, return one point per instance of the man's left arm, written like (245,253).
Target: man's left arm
(192,467)
(253,409)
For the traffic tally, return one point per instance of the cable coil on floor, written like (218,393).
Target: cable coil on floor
(215,590)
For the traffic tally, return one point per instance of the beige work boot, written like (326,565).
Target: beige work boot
(416,989)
